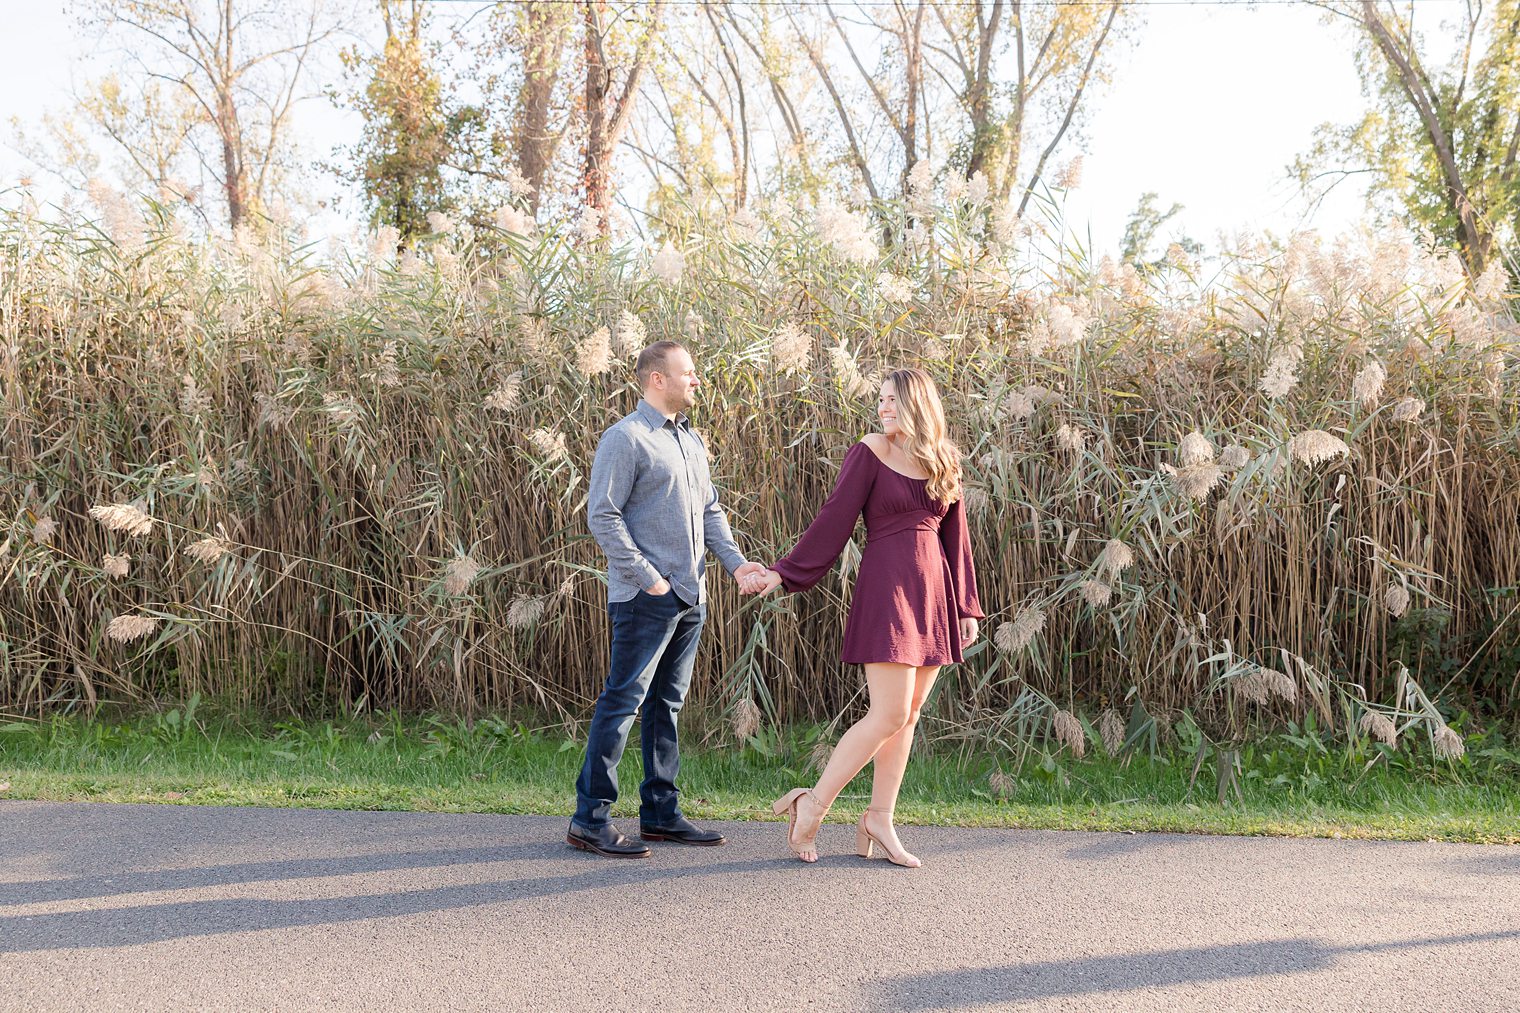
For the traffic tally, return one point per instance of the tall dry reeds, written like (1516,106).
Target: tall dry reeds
(259,473)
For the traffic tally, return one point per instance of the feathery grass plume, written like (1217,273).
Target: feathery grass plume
(386,374)
(507,393)
(1069,733)
(1019,406)
(668,265)
(193,401)
(1013,637)
(1195,448)
(1396,600)
(818,756)
(549,445)
(955,188)
(1115,558)
(629,336)
(410,265)
(1281,376)
(746,719)
(509,219)
(692,324)
(977,501)
(525,610)
(439,223)
(1005,223)
(127,628)
(118,219)
(1097,593)
(447,262)
(1194,481)
(589,225)
(44,530)
(1111,730)
(1070,438)
(1315,446)
(1408,409)
(341,408)
(1002,785)
(1367,386)
(537,340)
(566,587)
(894,287)
(1066,327)
(977,187)
(745,225)
(849,560)
(272,413)
(115,566)
(517,184)
(1042,396)
(790,347)
(1448,744)
(847,232)
(1070,176)
(123,517)
(1279,684)
(921,190)
(1234,456)
(1251,686)
(593,355)
(459,573)
(1377,726)
(208,550)
(847,372)
(384,242)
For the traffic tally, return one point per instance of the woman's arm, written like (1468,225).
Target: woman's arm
(820,545)
(955,537)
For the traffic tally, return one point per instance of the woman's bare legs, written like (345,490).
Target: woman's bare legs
(891,689)
(892,763)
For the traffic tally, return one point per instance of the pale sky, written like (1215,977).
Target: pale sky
(1208,107)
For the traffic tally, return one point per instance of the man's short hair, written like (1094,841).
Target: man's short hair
(653,359)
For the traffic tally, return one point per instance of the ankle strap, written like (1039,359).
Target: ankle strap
(879,809)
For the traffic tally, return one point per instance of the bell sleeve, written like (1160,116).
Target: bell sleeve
(820,545)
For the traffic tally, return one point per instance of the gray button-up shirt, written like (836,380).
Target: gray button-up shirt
(653,509)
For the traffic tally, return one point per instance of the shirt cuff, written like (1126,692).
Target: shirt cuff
(644,574)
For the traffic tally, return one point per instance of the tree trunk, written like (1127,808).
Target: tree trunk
(546,25)
(594,175)
(1472,238)
(979,96)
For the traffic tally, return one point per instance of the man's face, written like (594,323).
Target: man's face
(677,383)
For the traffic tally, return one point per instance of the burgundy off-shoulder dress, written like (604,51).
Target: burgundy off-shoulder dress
(916,579)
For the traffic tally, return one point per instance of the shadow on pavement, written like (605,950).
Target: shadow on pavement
(130,881)
(128,926)
(981,986)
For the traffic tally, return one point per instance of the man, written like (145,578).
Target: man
(653,510)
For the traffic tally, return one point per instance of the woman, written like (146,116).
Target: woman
(914,606)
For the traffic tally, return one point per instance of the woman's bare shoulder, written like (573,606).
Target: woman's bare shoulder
(878,444)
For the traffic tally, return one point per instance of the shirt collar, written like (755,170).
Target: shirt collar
(657,418)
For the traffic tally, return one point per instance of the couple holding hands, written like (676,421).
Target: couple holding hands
(653,510)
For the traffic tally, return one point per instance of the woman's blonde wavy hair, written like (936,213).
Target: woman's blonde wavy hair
(926,437)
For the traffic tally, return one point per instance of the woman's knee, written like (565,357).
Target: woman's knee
(891,716)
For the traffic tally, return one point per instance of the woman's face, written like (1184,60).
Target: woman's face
(886,408)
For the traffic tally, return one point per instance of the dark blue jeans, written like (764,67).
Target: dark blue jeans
(654,642)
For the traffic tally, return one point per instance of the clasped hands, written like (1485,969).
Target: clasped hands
(756,579)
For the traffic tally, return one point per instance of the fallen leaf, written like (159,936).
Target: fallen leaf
(174,794)
(5,786)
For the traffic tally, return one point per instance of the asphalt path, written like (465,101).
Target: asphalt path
(181,907)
